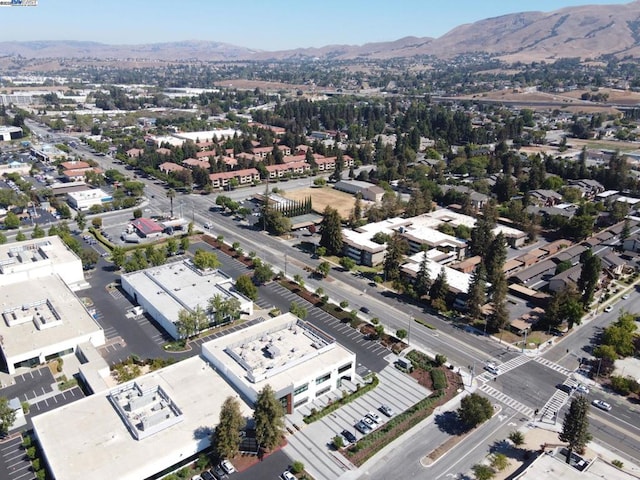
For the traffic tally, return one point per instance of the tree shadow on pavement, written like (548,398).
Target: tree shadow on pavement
(448,422)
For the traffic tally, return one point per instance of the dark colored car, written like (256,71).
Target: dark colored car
(348,436)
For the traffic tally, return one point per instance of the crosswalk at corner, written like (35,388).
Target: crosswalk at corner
(553,366)
(507,400)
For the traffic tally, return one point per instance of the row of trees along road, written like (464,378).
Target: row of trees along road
(268,418)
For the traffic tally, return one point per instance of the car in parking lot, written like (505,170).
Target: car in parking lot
(348,436)
(207,476)
(362,427)
(369,422)
(227,466)
(608,308)
(196,477)
(387,410)
(373,416)
(287,475)
(601,404)
(218,472)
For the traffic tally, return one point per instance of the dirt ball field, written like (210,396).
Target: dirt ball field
(321,197)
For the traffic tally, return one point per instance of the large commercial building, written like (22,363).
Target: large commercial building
(85,199)
(43,319)
(37,258)
(166,290)
(297,360)
(138,429)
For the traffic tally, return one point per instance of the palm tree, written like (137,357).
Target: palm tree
(171,194)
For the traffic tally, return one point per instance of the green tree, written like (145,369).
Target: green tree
(397,247)
(517,437)
(495,257)
(81,221)
(20,236)
(137,213)
(565,306)
(89,257)
(589,275)
(38,232)
(245,285)
(11,221)
(118,256)
(440,288)
(474,409)
(499,461)
(171,194)
(575,428)
(7,416)
(191,322)
(323,269)
(263,273)
(268,417)
(483,472)
(423,278)
(481,238)
(205,260)
(331,231)
(347,263)
(172,247)
(3,238)
(184,244)
(477,295)
(226,437)
(96,222)
(500,315)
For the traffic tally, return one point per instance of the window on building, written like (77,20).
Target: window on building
(323,379)
(301,388)
(344,368)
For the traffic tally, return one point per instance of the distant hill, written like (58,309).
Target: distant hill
(587,31)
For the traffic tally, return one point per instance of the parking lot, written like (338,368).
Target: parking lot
(312,444)
(15,463)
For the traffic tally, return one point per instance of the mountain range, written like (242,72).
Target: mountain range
(588,31)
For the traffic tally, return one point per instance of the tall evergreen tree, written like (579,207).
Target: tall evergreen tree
(423,280)
(331,231)
(575,428)
(440,287)
(591,266)
(495,257)
(396,247)
(500,316)
(268,416)
(481,238)
(477,292)
(226,437)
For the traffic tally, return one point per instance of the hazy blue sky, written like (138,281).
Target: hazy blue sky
(259,24)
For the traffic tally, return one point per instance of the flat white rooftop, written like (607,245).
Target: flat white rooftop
(179,285)
(41,313)
(29,253)
(88,439)
(456,279)
(280,352)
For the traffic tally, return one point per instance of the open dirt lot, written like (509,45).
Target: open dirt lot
(321,197)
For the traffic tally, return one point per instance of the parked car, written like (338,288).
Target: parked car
(373,416)
(369,422)
(387,410)
(608,308)
(207,476)
(601,405)
(218,472)
(625,296)
(362,427)
(196,477)
(287,475)
(227,466)
(348,436)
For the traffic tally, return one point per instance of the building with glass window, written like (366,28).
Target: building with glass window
(298,361)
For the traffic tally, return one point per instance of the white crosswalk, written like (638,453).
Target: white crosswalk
(507,400)
(505,367)
(553,366)
(557,400)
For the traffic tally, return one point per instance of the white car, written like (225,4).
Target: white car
(373,416)
(227,466)
(492,368)
(287,475)
(625,296)
(601,405)
(608,308)
(581,388)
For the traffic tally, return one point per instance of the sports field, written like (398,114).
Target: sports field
(321,197)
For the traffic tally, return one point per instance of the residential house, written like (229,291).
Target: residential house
(169,167)
(283,169)
(545,198)
(589,188)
